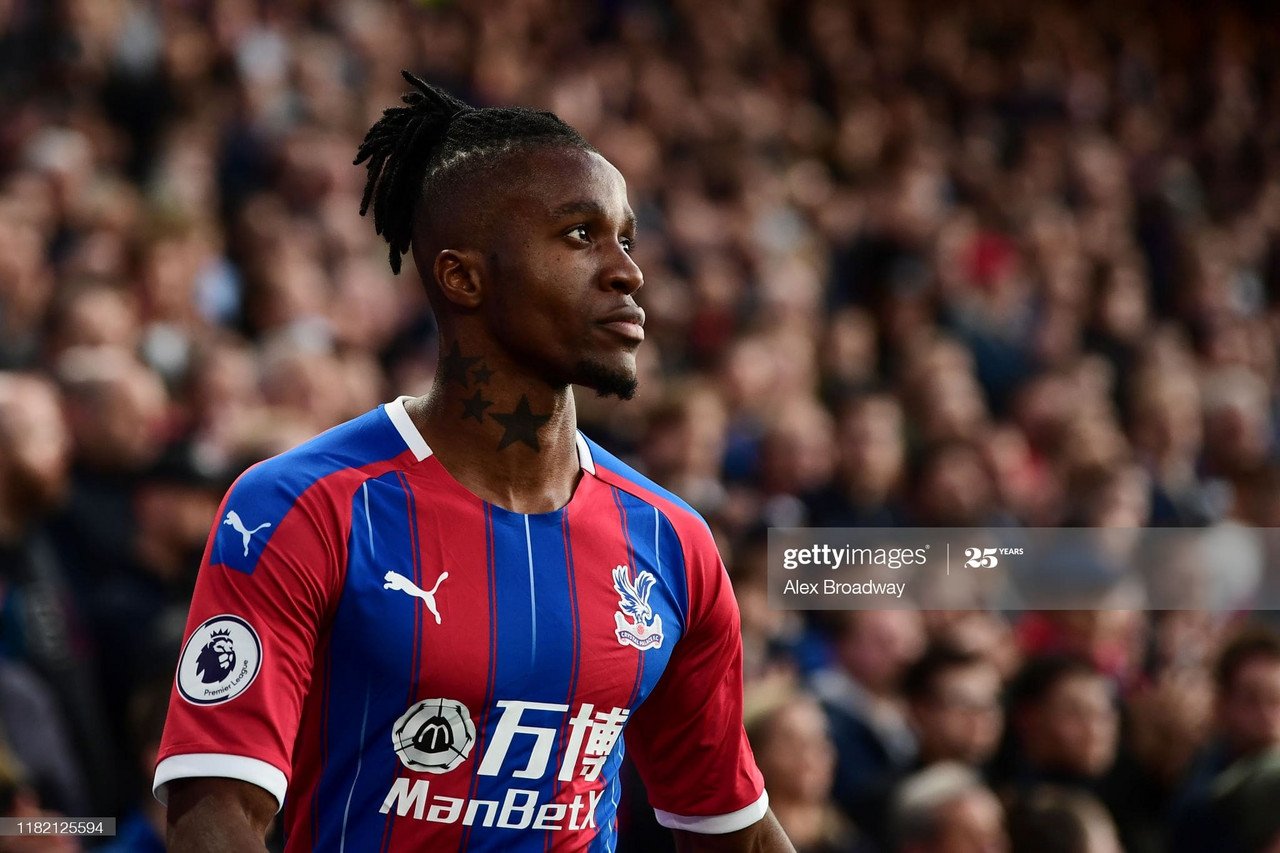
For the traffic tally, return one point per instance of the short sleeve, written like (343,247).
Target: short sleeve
(687,739)
(264,590)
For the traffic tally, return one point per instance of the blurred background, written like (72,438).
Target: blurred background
(981,262)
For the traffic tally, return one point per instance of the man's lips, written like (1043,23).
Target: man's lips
(628,324)
(634,331)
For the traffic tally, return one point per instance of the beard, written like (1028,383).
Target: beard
(606,380)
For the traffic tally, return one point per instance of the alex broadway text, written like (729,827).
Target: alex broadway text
(830,586)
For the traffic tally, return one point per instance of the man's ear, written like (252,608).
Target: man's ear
(460,274)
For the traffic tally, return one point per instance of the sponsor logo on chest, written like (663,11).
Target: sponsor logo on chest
(435,736)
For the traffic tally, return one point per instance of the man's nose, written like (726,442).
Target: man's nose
(623,273)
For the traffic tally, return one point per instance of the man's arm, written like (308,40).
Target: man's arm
(218,816)
(763,836)
(224,759)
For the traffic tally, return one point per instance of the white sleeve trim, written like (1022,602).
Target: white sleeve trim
(717,824)
(240,767)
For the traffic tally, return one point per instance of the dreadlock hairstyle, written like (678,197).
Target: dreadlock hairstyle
(416,152)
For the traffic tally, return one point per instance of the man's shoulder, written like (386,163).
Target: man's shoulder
(352,445)
(321,473)
(687,521)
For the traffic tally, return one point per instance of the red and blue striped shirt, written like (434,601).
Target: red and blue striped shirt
(406,666)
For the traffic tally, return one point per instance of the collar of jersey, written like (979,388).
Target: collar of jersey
(404,425)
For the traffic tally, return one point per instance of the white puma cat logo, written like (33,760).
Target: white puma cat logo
(395,580)
(233,518)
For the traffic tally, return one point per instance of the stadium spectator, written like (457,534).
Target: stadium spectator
(946,807)
(1242,806)
(775,642)
(953,702)
(865,710)
(41,627)
(18,799)
(1247,726)
(870,467)
(34,730)
(141,827)
(1064,722)
(1063,717)
(1054,820)
(788,734)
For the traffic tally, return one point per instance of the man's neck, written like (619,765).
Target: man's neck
(506,437)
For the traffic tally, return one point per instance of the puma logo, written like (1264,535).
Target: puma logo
(237,525)
(395,580)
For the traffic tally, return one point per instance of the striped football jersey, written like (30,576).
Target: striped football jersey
(405,666)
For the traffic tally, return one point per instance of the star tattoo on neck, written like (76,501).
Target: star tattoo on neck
(521,424)
(474,406)
(481,374)
(454,366)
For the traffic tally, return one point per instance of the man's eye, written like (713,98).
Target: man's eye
(628,245)
(580,231)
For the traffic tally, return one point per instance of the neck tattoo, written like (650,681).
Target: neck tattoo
(521,424)
(454,367)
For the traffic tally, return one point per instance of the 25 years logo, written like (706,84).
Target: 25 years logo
(987,558)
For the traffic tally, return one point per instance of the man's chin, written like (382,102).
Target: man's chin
(607,380)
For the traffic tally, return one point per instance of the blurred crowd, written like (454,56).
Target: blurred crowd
(983,262)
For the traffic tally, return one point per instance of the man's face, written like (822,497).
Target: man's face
(879,645)
(798,758)
(1249,712)
(961,720)
(1076,728)
(34,446)
(872,445)
(561,275)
